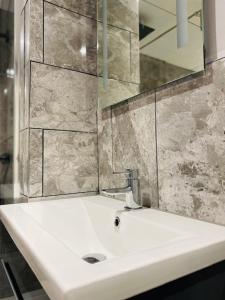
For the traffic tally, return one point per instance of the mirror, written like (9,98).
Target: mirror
(143,44)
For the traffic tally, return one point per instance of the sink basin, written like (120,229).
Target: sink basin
(55,237)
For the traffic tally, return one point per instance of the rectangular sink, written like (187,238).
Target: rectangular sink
(148,248)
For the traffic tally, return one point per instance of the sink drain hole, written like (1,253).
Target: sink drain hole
(94,258)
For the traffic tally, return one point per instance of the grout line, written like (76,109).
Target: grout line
(43,33)
(60,67)
(28,163)
(120,28)
(130,55)
(43,147)
(98,161)
(24,69)
(111,124)
(67,194)
(21,130)
(156,148)
(29,94)
(124,81)
(71,11)
(24,195)
(64,130)
(23,9)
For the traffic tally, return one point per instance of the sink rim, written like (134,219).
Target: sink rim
(92,277)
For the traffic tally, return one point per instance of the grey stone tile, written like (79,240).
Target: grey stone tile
(122,13)
(191,152)
(83,7)
(119,53)
(31,162)
(62,99)
(107,178)
(70,162)
(35,163)
(24,98)
(70,40)
(24,161)
(115,92)
(134,144)
(21,67)
(34,31)
(135,58)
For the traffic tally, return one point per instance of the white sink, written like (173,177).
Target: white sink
(148,249)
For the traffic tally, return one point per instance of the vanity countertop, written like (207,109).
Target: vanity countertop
(147,249)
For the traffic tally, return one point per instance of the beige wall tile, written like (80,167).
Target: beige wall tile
(70,40)
(62,99)
(35,163)
(191,153)
(70,162)
(83,7)
(34,31)
(122,13)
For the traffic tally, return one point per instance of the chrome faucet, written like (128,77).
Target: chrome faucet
(131,192)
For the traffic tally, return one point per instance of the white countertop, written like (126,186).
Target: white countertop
(149,248)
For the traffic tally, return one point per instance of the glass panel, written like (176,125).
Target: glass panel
(149,43)
(6,98)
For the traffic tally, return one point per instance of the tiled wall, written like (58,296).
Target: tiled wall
(123,51)
(175,137)
(58,98)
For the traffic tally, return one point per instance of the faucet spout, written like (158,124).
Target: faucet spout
(131,192)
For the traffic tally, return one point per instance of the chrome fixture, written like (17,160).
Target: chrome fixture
(182,23)
(131,192)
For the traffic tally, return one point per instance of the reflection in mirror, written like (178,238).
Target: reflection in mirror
(143,44)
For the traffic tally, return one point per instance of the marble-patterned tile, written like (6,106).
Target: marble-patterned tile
(122,13)
(115,92)
(35,163)
(31,162)
(107,178)
(70,162)
(134,143)
(34,31)
(119,53)
(62,99)
(24,96)
(191,152)
(27,82)
(70,40)
(83,7)
(24,161)
(135,58)
(21,68)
